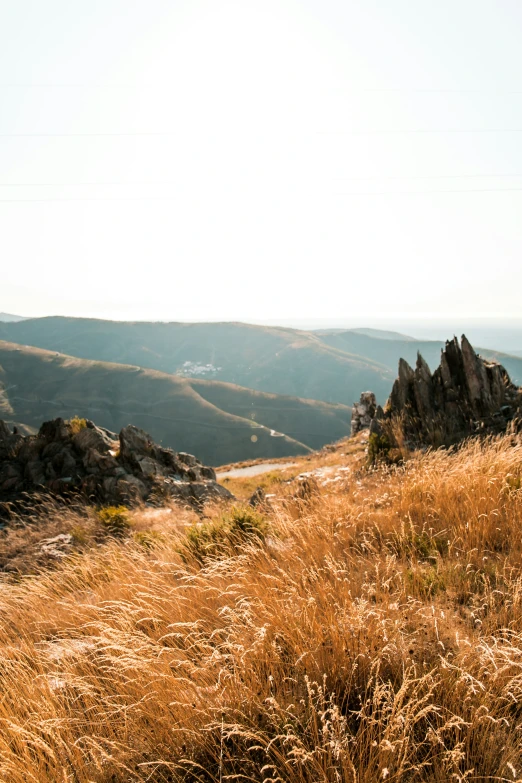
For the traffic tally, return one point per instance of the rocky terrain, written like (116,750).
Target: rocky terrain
(466,395)
(77,457)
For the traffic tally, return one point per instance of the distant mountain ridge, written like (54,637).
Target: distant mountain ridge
(270,359)
(332,365)
(10,318)
(218,422)
(380,334)
(388,351)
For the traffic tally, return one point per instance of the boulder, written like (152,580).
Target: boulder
(54,430)
(363,412)
(62,459)
(93,438)
(135,443)
(258,498)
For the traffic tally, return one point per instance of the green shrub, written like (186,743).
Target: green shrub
(223,535)
(425,582)
(421,546)
(115,520)
(148,538)
(378,448)
(76,424)
(79,535)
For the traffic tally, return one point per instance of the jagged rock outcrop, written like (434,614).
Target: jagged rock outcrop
(81,458)
(363,412)
(465,395)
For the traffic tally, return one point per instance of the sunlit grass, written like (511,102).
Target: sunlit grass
(372,632)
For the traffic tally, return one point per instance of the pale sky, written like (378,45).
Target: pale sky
(261,159)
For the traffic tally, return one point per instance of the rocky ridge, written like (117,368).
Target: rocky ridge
(466,395)
(77,457)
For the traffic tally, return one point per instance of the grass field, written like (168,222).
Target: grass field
(370,630)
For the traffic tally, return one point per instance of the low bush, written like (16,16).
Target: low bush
(224,534)
(115,520)
(378,448)
(76,424)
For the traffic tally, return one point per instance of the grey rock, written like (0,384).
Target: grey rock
(30,450)
(402,391)
(92,438)
(149,467)
(131,489)
(35,472)
(64,463)
(5,432)
(363,412)
(61,460)
(258,498)
(207,473)
(187,459)
(95,462)
(54,430)
(464,396)
(58,546)
(135,443)
(199,492)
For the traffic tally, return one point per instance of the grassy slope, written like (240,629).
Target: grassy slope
(375,635)
(382,334)
(209,419)
(388,351)
(310,421)
(277,360)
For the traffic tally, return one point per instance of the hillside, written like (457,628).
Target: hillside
(381,334)
(217,422)
(10,318)
(367,631)
(270,359)
(387,350)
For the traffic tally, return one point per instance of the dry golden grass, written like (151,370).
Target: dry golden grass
(374,634)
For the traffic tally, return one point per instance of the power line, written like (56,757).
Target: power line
(83,135)
(370,132)
(94,184)
(143,85)
(409,131)
(172,182)
(87,198)
(422,192)
(426,176)
(173,198)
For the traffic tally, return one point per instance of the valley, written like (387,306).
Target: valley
(219,422)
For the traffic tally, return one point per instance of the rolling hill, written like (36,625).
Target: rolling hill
(386,349)
(271,359)
(218,422)
(10,318)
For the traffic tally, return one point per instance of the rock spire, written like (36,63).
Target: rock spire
(465,395)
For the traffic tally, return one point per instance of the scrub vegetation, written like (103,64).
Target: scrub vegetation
(371,631)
